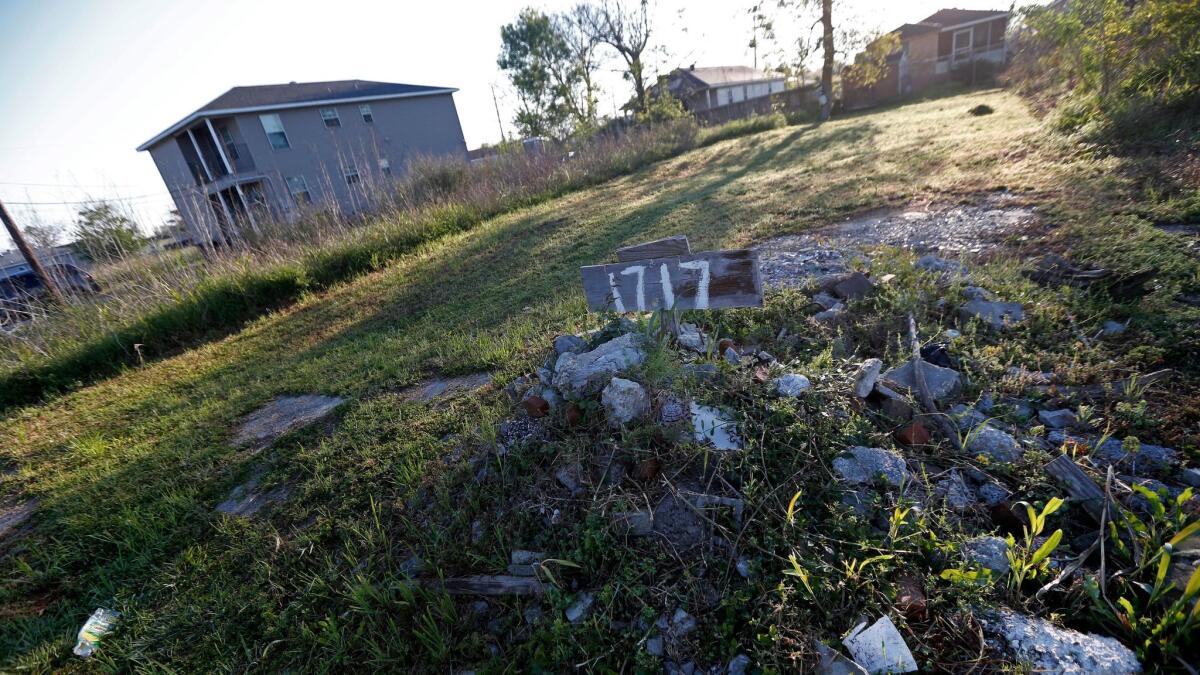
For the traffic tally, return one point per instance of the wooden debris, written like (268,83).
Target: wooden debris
(659,248)
(948,430)
(489,585)
(1081,488)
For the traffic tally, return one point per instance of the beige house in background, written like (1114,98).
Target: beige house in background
(936,49)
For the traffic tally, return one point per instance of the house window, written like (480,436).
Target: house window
(351,174)
(365,111)
(299,189)
(330,117)
(962,42)
(275,133)
(385,166)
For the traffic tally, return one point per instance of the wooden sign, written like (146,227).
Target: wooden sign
(707,280)
(659,248)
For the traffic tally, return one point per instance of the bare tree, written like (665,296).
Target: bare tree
(626,29)
(43,235)
(581,45)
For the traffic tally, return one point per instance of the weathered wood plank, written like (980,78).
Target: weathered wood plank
(489,585)
(659,248)
(708,280)
(1081,487)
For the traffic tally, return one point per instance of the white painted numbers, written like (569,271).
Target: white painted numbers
(712,280)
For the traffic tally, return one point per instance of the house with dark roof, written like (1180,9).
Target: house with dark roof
(267,153)
(946,44)
(703,89)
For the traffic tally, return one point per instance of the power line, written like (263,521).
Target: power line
(90,201)
(65,185)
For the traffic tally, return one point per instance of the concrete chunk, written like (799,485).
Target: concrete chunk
(880,648)
(585,374)
(942,382)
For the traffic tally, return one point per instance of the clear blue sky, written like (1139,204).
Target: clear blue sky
(85,82)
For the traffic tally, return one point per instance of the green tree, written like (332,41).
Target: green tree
(870,66)
(663,106)
(530,52)
(104,233)
(1120,69)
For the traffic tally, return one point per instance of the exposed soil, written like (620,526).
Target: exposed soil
(948,230)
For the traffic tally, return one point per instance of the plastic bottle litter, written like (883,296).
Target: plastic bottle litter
(97,626)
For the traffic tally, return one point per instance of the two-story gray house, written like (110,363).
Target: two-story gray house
(266,153)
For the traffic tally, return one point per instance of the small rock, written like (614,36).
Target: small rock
(1058,419)
(672,411)
(1148,460)
(942,382)
(955,492)
(579,609)
(854,286)
(682,623)
(532,614)
(743,567)
(703,372)
(996,315)
(545,376)
(864,464)
(477,531)
(910,598)
(994,443)
(966,417)
(1046,648)
(914,433)
(690,337)
(568,477)
(654,645)
(648,469)
(624,401)
(1112,328)
(993,494)
(932,263)
(897,408)
(636,523)
(791,385)
(880,648)
(536,406)
(988,552)
(580,375)
(569,344)
(833,663)
(829,315)
(712,426)
(827,301)
(864,379)
(732,357)
(573,414)
(1190,476)
(977,293)
(951,334)
(738,665)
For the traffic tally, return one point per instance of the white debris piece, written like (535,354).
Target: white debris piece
(880,648)
(710,425)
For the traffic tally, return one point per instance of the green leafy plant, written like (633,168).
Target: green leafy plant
(1025,562)
(1140,600)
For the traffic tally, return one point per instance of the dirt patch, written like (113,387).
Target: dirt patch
(948,230)
(13,516)
(247,499)
(445,387)
(282,415)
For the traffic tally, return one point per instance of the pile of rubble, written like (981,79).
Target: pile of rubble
(917,400)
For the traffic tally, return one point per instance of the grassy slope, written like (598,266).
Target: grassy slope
(126,471)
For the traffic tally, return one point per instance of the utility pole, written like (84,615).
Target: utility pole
(503,138)
(23,246)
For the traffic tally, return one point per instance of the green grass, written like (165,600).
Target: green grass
(127,470)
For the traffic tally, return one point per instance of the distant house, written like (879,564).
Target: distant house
(18,283)
(701,89)
(266,152)
(937,48)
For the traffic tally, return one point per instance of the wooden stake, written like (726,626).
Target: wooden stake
(27,251)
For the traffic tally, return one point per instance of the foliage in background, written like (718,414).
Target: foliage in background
(539,65)
(103,233)
(870,66)
(1118,71)
(157,305)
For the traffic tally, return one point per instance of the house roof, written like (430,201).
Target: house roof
(14,257)
(724,75)
(911,30)
(955,17)
(297,95)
